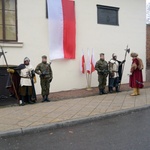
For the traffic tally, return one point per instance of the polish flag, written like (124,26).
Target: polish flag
(62,29)
(82,63)
(88,63)
(92,62)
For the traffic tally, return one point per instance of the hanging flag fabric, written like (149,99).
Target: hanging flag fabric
(92,62)
(62,29)
(82,67)
(88,63)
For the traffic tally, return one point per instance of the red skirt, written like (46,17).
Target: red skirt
(136,79)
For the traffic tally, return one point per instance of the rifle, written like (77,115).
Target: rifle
(13,85)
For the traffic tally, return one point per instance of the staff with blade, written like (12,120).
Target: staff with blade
(127,51)
(2,53)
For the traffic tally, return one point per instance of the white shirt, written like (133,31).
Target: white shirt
(25,76)
(115,67)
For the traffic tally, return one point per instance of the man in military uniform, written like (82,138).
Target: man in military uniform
(102,70)
(44,70)
(115,75)
(25,72)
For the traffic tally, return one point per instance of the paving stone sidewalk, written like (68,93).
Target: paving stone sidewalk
(12,118)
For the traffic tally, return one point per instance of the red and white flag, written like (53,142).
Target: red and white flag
(62,29)
(92,62)
(82,68)
(88,63)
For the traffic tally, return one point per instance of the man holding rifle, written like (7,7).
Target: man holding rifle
(45,72)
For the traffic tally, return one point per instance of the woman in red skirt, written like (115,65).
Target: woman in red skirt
(136,78)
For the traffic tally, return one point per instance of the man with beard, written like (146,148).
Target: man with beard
(115,75)
(45,72)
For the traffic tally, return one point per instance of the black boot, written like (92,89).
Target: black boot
(110,89)
(22,101)
(43,100)
(117,89)
(29,100)
(46,99)
(100,91)
(103,91)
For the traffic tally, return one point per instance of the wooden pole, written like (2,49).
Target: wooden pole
(13,85)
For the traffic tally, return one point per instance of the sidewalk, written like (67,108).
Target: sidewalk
(13,118)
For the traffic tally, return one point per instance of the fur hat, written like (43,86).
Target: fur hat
(134,55)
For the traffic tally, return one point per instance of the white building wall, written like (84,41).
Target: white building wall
(33,32)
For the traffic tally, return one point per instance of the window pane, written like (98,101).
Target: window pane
(1,32)
(10,18)
(10,32)
(0,16)
(9,4)
(107,15)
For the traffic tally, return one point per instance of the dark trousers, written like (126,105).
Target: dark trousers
(114,82)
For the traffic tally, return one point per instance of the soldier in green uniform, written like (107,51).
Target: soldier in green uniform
(44,70)
(102,70)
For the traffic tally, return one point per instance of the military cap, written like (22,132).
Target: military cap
(44,56)
(102,54)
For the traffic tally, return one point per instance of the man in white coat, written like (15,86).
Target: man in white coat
(115,75)
(26,73)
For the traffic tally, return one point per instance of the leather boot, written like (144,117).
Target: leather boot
(46,99)
(117,89)
(43,98)
(29,100)
(138,91)
(110,89)
(134,92)
(22,101)
(103,91)
(100,91)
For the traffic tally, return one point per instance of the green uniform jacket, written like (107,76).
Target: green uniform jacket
(102,67)
(45,70)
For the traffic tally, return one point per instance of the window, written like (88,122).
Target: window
(8,20)
(107,15)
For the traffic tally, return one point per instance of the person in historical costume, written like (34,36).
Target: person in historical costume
(102,70)
(44,70)
(136,77)
(22,78)
(115,75)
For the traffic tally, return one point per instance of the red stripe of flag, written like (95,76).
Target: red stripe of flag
(69,32)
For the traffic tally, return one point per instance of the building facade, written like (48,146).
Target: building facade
(106,26)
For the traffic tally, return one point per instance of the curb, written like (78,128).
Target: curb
(69,123)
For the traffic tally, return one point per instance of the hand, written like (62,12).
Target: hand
(34,79)
(10,70)
(42,75)
(123,61)
(50,80)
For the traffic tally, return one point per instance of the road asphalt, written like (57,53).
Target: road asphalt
(124,132)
